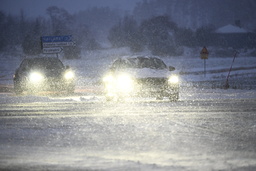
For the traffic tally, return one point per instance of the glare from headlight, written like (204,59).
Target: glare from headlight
(120,83)
(69,75)
(108,79)
(124,82)
(36,77)
(174,79)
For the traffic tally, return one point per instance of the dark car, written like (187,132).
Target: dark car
(141,76)
(43,73)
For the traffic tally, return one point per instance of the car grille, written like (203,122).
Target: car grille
(53,80)
(149,82)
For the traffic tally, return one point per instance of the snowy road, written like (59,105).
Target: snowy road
(215,130)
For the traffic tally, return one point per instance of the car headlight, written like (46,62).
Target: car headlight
(174,79)
(36,77)
(119,83)
(69,75)
(124,82)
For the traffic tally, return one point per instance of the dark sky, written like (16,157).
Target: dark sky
(38,7)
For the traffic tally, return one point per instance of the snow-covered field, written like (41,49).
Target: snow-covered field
(93,64)
(190,67)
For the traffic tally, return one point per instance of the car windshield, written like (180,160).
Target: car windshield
(153,63)
(45,63)
(142,62)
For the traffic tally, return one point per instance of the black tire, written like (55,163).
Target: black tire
(17,88)
(70,90)
(109,98)
(174,97)
(160,97)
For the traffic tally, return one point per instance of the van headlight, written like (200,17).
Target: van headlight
(36,77)
(69,75)
(174,79)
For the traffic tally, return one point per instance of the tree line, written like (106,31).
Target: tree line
(19,30)
(163,37)
(159,34)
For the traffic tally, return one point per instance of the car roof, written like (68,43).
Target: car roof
(140,56)
(139,61)
(41,58)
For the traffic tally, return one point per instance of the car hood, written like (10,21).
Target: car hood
(49,72)
(148,73)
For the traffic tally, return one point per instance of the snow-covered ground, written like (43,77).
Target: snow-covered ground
(208,129)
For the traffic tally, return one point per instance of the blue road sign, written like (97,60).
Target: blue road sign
(49,39)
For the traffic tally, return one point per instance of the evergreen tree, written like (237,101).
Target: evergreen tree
(159,35)
(126,33)
(31,43)
(2,30)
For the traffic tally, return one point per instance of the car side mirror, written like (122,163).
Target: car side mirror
(15,74)
(23,69)
(171,68)
(112,68)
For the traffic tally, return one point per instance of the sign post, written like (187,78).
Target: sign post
(50,39)
(227,84)
(204,55)
(54,44)
(52,50)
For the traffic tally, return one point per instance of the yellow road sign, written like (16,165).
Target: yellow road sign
(204,53)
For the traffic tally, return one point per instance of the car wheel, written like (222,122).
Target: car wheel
(174,97)
(109,98)
(17,88)
(160,97)
(70,90)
